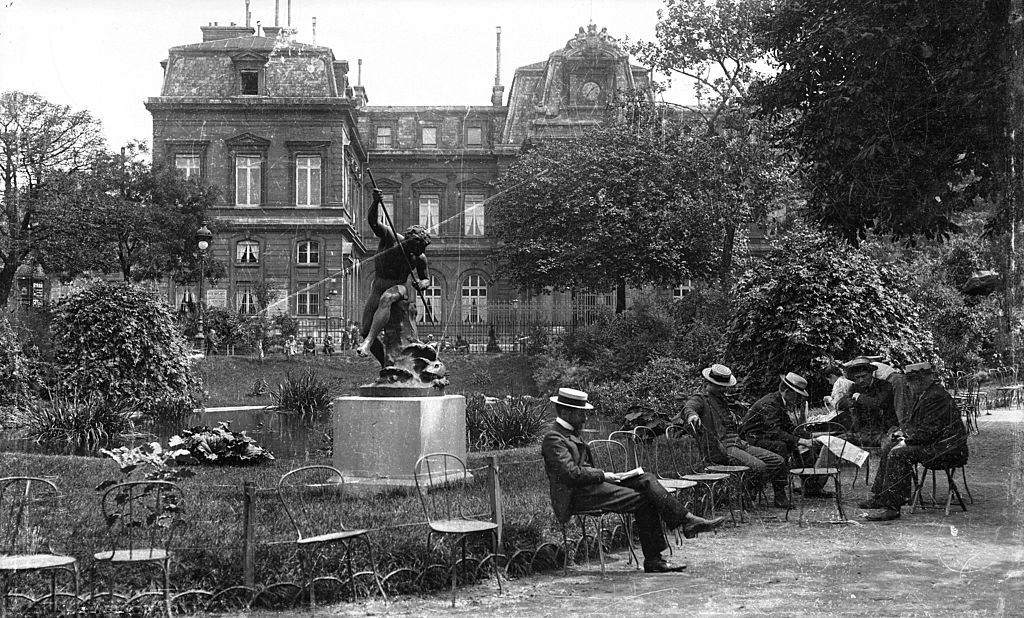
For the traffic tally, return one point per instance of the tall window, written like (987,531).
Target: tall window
(187,164)
(474,300)
(430,212)
(247,180)
(389,206)
(247,252)
(474,136)
(429,136)
(383,137)
(307,302)
(432,296)
(307,180)
(308,253)
(250,81)
(682,289)
(474,215)
(247,302)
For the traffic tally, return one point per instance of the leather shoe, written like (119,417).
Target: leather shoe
(660,566)
(886,515)
(871,503)
(695,525)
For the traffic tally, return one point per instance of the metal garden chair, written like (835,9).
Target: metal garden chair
(681,459)
(613,456)
(313,498)
(142,519)
(22,500)
(814,429)
(442,483)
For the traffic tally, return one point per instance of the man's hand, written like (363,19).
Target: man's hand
(806,442)
(611,477)
(694,422)
(421,284)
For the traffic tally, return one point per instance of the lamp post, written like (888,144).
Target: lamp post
(203,238)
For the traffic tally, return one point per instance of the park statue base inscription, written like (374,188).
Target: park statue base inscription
(377,440)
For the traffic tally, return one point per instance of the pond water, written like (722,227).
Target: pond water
(284,435)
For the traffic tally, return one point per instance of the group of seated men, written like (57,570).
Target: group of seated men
(909,415)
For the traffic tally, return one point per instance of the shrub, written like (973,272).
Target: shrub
(504,423)
(651,397)
(16,374)
(812,300)
(305,394)
(219,446)
(118,339)
(70,421)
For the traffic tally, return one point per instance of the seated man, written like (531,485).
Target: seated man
(769,425)
(717,432)
(309,346)
(576,485)
(932,434)
(868,410)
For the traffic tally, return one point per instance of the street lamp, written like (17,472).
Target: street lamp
(203,238)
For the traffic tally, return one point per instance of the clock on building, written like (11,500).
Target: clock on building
(589,92)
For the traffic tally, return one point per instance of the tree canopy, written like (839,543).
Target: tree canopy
(895,109)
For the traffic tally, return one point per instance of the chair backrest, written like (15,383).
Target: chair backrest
(610,455)
(21,499)
(645,445)
(678,453)
(442,482)
(628,440)
(143,514)
(313,497)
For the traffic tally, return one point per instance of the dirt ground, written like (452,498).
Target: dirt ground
(925,564)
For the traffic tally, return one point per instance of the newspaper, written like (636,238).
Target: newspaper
(844,450)
(622,476)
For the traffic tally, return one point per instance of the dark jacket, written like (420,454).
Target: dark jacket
(873,412)
(569,464)
(934,418)
(719,428)
(768,419)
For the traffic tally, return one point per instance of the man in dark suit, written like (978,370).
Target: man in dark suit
(932,433)
(576,485)
(869,408)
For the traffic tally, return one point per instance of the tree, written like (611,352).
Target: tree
(813,300)
(896,109)
(712,43)
(37,140)
(632,203)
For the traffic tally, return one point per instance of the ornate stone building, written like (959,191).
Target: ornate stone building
(276,124)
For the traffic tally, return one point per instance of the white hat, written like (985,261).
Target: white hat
(719,374)
(796,382)
(571,398)
(915,367)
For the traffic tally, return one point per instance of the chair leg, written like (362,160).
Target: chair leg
(3,595)
(494,560)
(915,496)
(963,475)
(839,496)
(167,585)
(953,490)
(351,574)
(789,486)
(600,543)
(373,567)
(565,551)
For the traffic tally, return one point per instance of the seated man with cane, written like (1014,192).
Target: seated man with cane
(577,486)
(932,434)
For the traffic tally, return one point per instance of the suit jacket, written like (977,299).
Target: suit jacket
(719,429)
(569,465)
(768,419)
(934,418)
(873,411)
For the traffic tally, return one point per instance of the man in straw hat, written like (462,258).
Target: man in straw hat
(717,432)
(769,425)
(932,433)
(577,486)
(868,410)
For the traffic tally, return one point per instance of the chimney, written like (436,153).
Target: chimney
(497,91)
(248,15)
(359,92)
(217,33)
(341,76)
(272,32)
(289,13)
(314,31)
(277,13)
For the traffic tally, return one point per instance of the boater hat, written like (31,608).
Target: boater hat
(571,398)
(924,367)
(795,382)
(719,374)
(860,363)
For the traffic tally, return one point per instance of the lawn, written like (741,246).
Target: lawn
(229,379)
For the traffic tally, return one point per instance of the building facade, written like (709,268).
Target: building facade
(296,149)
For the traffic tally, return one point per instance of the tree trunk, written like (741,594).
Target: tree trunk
(1015,155)
(620,296)
(725,267)
(7,275)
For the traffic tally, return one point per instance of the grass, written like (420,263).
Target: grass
(209,550)
(229,380)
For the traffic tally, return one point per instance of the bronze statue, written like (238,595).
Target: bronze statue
(391,309)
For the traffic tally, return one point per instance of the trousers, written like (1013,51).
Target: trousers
(893,482)
(764,465)
(645,498)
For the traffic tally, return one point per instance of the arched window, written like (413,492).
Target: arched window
(474,300)
(308,253)
(433,297)
(247,252)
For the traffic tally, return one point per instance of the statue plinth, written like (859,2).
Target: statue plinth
(377,439)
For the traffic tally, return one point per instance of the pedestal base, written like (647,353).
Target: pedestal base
(377,440)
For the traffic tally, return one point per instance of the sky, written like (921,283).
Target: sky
(104,55)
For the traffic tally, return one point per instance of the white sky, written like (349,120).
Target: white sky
(104,55)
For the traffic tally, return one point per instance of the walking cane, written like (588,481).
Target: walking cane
(387,218)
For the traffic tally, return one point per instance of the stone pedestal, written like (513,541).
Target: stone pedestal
(377,440)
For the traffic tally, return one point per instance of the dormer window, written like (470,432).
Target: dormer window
(250,81)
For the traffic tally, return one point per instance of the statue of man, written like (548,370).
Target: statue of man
(398,256)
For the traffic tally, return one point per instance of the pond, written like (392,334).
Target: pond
(284,435)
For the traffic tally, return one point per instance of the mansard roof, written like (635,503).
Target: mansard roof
(253,43)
